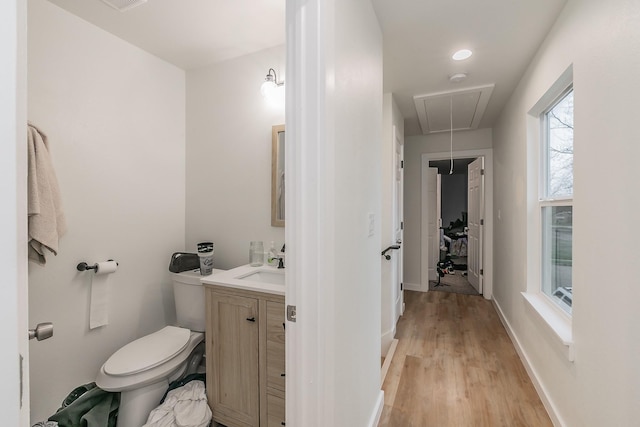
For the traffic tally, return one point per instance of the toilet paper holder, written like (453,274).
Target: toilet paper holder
(83,266)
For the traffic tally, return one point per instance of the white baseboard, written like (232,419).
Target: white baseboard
(415,287)
(533,375)
(377,410)
(387,361)
(386,340)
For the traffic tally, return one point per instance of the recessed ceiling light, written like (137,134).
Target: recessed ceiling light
(462,54)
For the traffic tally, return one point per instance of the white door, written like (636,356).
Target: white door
(13,262)
(433,235)
(398,223)
(475,221)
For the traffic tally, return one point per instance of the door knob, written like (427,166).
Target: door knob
(42,331)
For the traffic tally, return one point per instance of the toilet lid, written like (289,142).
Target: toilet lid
(148,352)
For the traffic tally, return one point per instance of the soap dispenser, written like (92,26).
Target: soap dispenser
(272,257)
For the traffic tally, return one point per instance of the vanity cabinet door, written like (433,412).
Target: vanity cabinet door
(275,411)
(232,369)
(275,346)
(275,364)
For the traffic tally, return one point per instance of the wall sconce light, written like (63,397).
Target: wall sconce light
(272,89)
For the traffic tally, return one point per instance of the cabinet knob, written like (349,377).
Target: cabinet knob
(251,319)
(282,375)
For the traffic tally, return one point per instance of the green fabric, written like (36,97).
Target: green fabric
(88,406)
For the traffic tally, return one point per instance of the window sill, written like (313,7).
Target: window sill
(557,322)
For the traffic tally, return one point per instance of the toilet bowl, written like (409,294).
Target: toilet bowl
(142,370)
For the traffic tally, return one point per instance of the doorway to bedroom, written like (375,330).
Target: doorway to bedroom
(452,219)
(457,216)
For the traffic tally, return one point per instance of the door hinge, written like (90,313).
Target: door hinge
(481,171)
(401,225)
(291,313)
(401,286)
(482,222)
(401,164)
(482,271)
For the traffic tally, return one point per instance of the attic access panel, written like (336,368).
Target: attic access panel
(124,5)
(468,108)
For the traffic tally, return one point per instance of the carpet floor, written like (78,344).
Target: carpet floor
(454,283)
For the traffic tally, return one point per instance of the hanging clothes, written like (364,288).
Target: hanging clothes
(46,218)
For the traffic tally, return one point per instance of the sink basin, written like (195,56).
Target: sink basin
(263,276)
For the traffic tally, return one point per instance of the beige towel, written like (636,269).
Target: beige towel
(46,219)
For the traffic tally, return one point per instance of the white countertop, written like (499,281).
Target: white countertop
(234,279)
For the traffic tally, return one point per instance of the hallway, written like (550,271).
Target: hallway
(456,366)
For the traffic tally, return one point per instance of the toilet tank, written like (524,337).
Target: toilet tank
(188,294)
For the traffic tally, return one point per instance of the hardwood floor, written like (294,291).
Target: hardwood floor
(456,366)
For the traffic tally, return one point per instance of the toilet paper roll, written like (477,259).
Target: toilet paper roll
(106,267)
(99,310)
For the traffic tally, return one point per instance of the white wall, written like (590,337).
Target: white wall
(334,53)
(415,146)
(115,117)
(355,135)
(228,159)
(602,386)
(391,117)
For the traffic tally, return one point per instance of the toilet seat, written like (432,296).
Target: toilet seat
(147,352)
(170,367)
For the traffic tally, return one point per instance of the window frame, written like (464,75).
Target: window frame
(553,320)
(544,201)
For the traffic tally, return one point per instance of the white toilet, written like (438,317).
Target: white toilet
(143,369)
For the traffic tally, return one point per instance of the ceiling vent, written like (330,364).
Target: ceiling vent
(124,5)
(468,108)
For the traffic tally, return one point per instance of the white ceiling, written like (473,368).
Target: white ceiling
(190,33)
(419,38)
(421,35)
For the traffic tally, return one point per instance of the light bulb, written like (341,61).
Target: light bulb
(267,87)
(271,90)
(275,95)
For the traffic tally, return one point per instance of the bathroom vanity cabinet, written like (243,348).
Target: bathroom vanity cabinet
(245,357)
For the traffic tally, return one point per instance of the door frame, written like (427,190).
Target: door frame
(487,263)
(398,213)
(429,181)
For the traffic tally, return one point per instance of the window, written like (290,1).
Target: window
(550,210)
(556,200)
